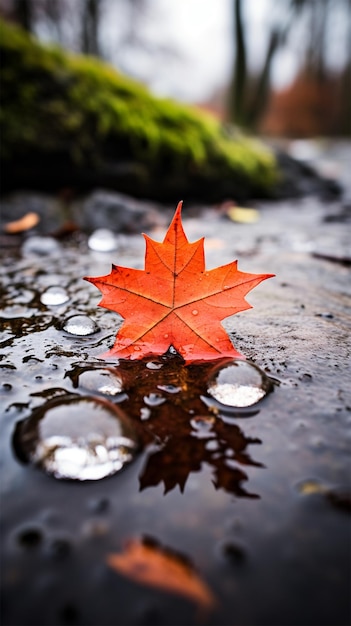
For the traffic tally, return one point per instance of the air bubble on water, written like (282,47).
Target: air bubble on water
(101,381)
(239,384)
(80,325)
(77,438)
(154,399)
(53,296)
(152,365)
(40,246)
(103,240)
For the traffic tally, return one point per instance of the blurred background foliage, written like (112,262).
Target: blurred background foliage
(284,69)
(74,120)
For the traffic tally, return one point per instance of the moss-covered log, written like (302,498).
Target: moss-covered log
(70,120)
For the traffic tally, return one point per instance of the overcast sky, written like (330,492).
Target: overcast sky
(187,49)
(200,34)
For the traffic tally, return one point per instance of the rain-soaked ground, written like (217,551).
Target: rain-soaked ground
(153,493)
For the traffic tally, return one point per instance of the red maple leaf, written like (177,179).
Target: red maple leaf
(175,301)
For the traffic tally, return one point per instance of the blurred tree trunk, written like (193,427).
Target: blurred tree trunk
(90,27)
(237,99)
(261,93)
(316,49)
(346,81)
(248,97)
(22,13)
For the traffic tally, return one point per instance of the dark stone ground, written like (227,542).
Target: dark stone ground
(268,530)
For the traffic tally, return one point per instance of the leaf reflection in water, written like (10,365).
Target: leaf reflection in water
(184,454)
(186,432)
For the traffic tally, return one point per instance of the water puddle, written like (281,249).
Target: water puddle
(102,451)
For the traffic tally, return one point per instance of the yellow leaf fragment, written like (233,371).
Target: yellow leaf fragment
(243,215)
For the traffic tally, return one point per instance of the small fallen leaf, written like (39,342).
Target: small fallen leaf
(26,222)
(175,301)
(148,563)
(243,215)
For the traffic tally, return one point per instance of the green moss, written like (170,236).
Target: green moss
(80,108)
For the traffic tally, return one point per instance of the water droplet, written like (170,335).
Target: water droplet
(212,445)
(137,348)
(98,505)
(16,310)
(326,315)
(152,365)
(169,388)
(68,614)
(102,381)
(202,426)
(95,528)
(154,399)
(30,537)
(77,438)
(102,240)
(166,336)
(59,549)
(234,552)
(239,384)
(80,325)
(41,246)
(195,312)
(145,413)
(53,296)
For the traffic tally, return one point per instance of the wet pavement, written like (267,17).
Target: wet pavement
(237,475)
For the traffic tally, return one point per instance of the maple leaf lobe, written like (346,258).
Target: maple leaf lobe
(174,300)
